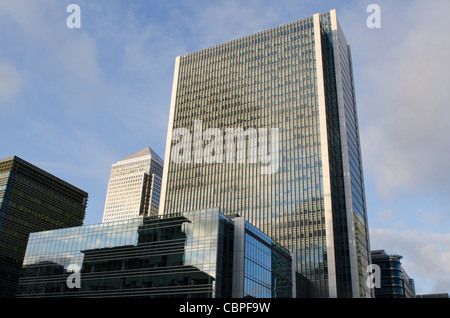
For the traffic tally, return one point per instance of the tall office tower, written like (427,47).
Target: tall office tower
(134,186)
(265,126)
(31,200)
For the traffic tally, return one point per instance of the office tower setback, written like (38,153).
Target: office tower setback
(265,126)
(134,186)
(31,200)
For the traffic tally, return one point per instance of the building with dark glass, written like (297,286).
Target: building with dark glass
(197,254)
(31,200)
(266,126)
(394,281)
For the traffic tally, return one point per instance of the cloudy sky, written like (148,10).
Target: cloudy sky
(75,101)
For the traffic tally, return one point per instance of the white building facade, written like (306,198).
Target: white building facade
(134,187)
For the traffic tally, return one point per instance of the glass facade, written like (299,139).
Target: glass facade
(296,78)
(134,187)
(267,274)
(187,254)
(31,200)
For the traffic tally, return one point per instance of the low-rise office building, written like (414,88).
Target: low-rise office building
(198,254)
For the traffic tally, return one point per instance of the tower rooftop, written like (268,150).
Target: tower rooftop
(147,151)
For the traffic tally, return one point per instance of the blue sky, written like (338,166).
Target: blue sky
(75,101)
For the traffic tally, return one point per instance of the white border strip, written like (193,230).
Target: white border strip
(325,160)
(162,198)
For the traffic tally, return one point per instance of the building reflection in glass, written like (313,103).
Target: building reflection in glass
(188,254)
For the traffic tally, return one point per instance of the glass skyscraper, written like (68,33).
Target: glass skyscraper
(134,186)
(282,99)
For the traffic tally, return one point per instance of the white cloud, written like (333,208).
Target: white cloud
(56,58)
(426,256)
(405,92)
